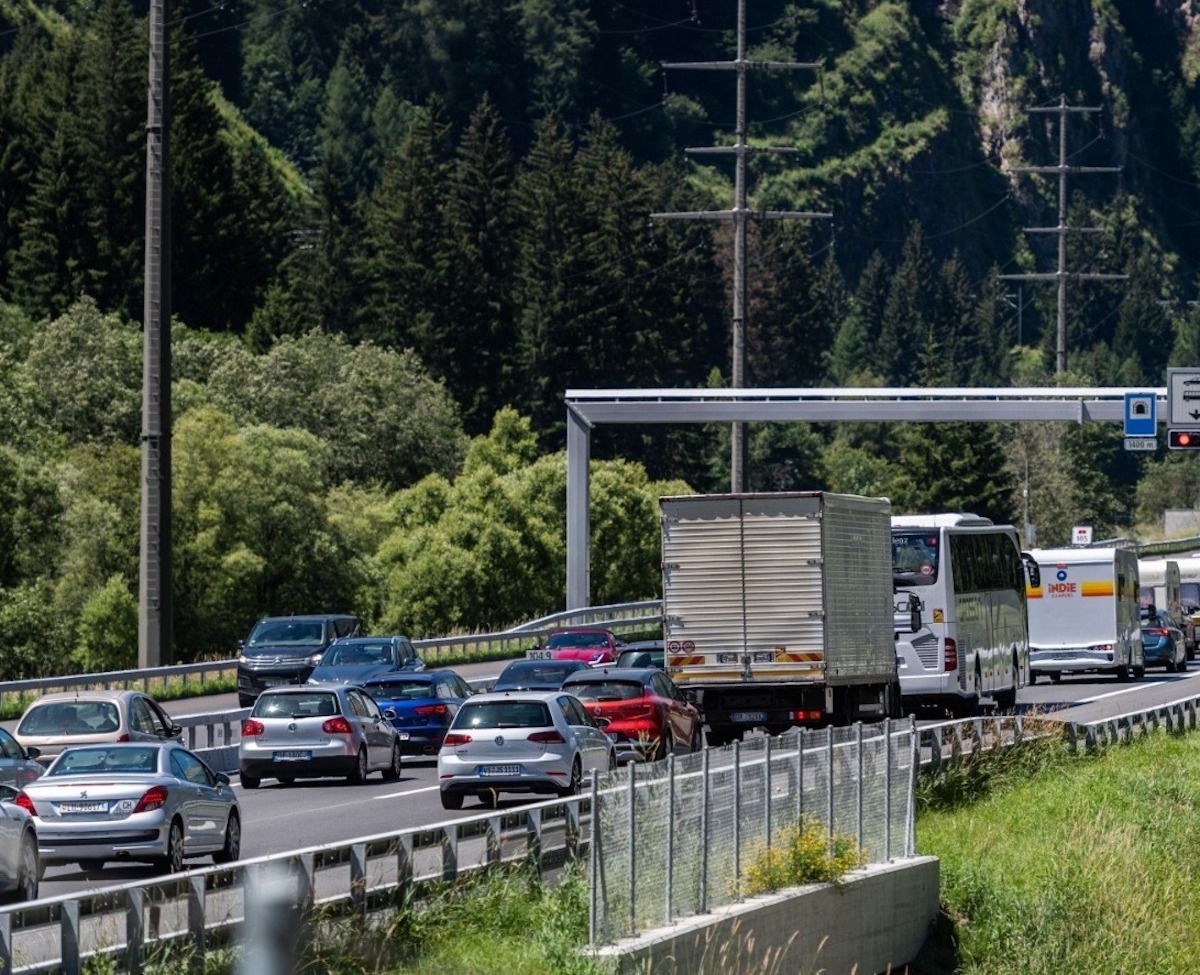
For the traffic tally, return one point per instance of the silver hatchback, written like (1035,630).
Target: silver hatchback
(314,731)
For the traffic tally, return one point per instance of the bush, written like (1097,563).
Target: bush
(803,853)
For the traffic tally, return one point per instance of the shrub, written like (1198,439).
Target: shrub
(803,853)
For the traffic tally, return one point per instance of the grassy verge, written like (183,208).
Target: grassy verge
(1059,865)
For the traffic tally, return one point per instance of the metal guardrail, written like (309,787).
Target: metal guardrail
(207,907)
(620,617)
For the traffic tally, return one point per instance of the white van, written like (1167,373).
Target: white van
(1083,614)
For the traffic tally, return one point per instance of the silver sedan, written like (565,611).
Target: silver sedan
(145,802)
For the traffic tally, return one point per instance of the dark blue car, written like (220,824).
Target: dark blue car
(420,706)
(357,659)
(1163,640)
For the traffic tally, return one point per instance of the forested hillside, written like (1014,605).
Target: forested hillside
(394,219)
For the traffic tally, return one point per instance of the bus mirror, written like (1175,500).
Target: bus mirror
(1032,570)
(914,613)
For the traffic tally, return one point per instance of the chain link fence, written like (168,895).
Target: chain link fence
(674,838)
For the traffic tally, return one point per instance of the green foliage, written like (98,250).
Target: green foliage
(803,853)
(107,630)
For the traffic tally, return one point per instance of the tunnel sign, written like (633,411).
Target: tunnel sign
(1140,418)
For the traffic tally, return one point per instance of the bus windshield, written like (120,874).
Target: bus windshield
(915,558)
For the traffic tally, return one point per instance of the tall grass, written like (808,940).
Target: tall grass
(1080,865)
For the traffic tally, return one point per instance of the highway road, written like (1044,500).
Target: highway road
(279,818)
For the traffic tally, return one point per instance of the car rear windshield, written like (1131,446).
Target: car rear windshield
(396,689)
(286,633)
(577,640)
(607,690)
(105,761)
(538,671)
(310,705)
(504,714)
(352,654)
(71,718)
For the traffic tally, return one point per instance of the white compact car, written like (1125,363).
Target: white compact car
(520,741)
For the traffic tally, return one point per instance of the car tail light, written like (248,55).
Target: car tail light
(805,715)
(250,728)
(154,798)
(1155,631)
(25,803)
(547,738)
(451,741)
(124,737)
(337,726)
(431,709)
(951,654)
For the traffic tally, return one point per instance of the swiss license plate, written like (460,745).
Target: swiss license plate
(278,682)
(291,756)
(486,770)
(402,735)
(748,717)
(539,654)
(82,807)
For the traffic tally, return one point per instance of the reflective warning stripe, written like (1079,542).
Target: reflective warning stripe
(692,661)
(797,657)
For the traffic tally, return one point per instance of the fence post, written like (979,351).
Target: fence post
(196,922)
(887,790)
(858,815)
(6,945)
(135,905)
(800,777)
(670,833)
(767,793)
(594,862)
(704,763)
(829,782)
(910,825)
(69,937)
(632,850)
(358,880)
(737,819)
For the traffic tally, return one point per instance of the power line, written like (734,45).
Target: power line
(1062,110)
(740,213)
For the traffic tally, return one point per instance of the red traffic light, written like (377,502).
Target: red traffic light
(1183,439)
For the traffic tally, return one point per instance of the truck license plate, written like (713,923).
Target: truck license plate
(749,717)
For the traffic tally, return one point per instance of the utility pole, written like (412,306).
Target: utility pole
(740,214)
(155,647)
(1061,275)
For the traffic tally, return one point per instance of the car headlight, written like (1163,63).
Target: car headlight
(243,659)
(314,660)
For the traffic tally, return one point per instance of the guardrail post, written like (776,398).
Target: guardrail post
(450,851)
(404,863)
(69,937)
(196,922)
(574,827)
(533,824)
(358,879)
(135,935)
(670,835)
(910,824)
(6,945)
(493,840)
(272,929)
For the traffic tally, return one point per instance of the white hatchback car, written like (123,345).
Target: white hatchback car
(520,741)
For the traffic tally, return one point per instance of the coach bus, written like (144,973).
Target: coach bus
(973,642)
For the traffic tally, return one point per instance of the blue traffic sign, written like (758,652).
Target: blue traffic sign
(1141,418)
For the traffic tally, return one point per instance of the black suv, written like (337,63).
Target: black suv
(285,649)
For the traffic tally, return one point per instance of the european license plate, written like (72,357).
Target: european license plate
(486,770)
(748,717)
(539,654)
(275,683)
(291,756)
(82,807)
(402,735)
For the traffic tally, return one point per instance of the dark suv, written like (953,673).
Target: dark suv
(285,649)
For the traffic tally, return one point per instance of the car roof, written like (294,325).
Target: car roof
(496,696)
(597,675)
(527,664)
(643,645)
(428,676)
(106,694)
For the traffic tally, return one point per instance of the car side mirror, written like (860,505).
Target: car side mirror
(223,779)
(32,751)
(1032,570)
(390,714)
(175,730)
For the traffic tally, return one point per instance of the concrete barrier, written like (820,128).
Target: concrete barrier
(874,921)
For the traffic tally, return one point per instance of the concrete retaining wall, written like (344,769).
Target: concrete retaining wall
(874,922)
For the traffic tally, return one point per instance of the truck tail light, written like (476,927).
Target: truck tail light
(951,655)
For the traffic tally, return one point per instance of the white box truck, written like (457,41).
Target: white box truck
(1084,614)
(778,609)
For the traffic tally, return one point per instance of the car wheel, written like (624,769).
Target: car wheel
(28,871)
(1139,672)
(572,788)
(358,775)
(1171,668)
(392,772)
(233,840)
(612,760)
(452,800)
(285,780)
(1033,676)
(173,861)
(666,745)
(249,781)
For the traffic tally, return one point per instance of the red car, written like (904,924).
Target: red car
(592,646)
(641,709)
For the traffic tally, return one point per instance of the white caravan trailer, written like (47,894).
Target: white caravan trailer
(1083,616)
(1161,588)
(1189,594)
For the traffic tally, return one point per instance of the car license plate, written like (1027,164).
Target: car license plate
(539,654)
(402,735)
(275,683)
(82,807)
(291,756)
(748,717)
(486,770)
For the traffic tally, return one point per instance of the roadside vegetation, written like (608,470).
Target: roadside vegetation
(1055,864)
